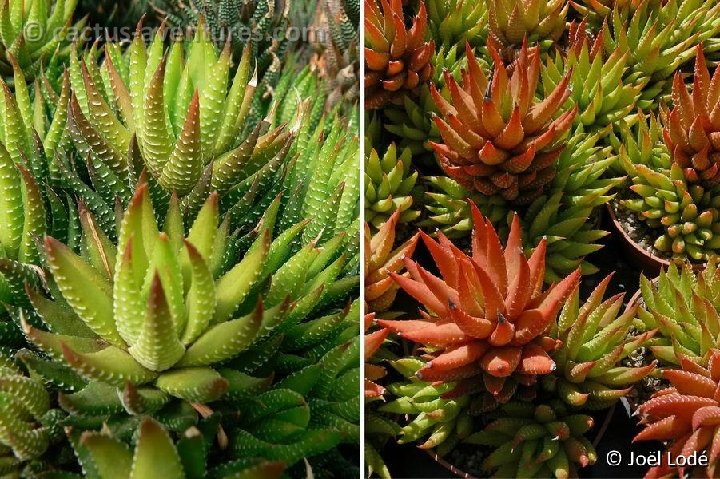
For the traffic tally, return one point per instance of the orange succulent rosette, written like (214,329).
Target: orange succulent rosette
(487,318)
(397,59)
(687,417)
(496,138)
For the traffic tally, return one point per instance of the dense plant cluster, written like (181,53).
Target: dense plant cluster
(180,250)
(541,128)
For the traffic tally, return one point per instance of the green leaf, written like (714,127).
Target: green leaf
(223,341)
(155,455)
(85,290)
(194,384)
(157,348)
(185,165)
(111,457)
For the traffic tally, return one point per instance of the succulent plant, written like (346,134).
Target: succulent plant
(502,143)
(538,21)
(178,117)
(36,35)
(255,23)
(455,22)
(661,37)
(485,320)
(433,421)
(682,217)
(536,440)
(382,260)
(155,455)
(596,80)
(565,216)
(683,416)
(397,59)
(448,208)
(596,338)
(683,307)
(412,122)
(389,186)
(692,130)
(25,417)
(154,313)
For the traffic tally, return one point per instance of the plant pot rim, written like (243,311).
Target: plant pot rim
(648,262)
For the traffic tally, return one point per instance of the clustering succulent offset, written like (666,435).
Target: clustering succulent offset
(458,21)
(596,78)
(433,421)
(596,338)
(660,38)
(36,36)
(692,127)
(683,416)
(397,59)
(682,217)
(389,186)
(538,21)
(543,440)
(485,320)
(682,306)
(496,138)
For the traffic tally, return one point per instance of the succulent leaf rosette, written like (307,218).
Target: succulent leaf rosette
(685,417)
(389,186)
(432,420)
(660,36)
(181,117)
(497,139)
(382,260)
(486,320)
(397,59)
(596,78)
(684,307)
(536,440)
(538,21)
(455,22)
(36,36)
(596,337)
(152,312)
(682,217)
(692,128)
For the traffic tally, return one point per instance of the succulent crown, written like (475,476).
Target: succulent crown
(33,32)
(397,59)
(686,416)
(542,21)
(496,138)
(488,315)
(692,131)
(151,309)
(183,115)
